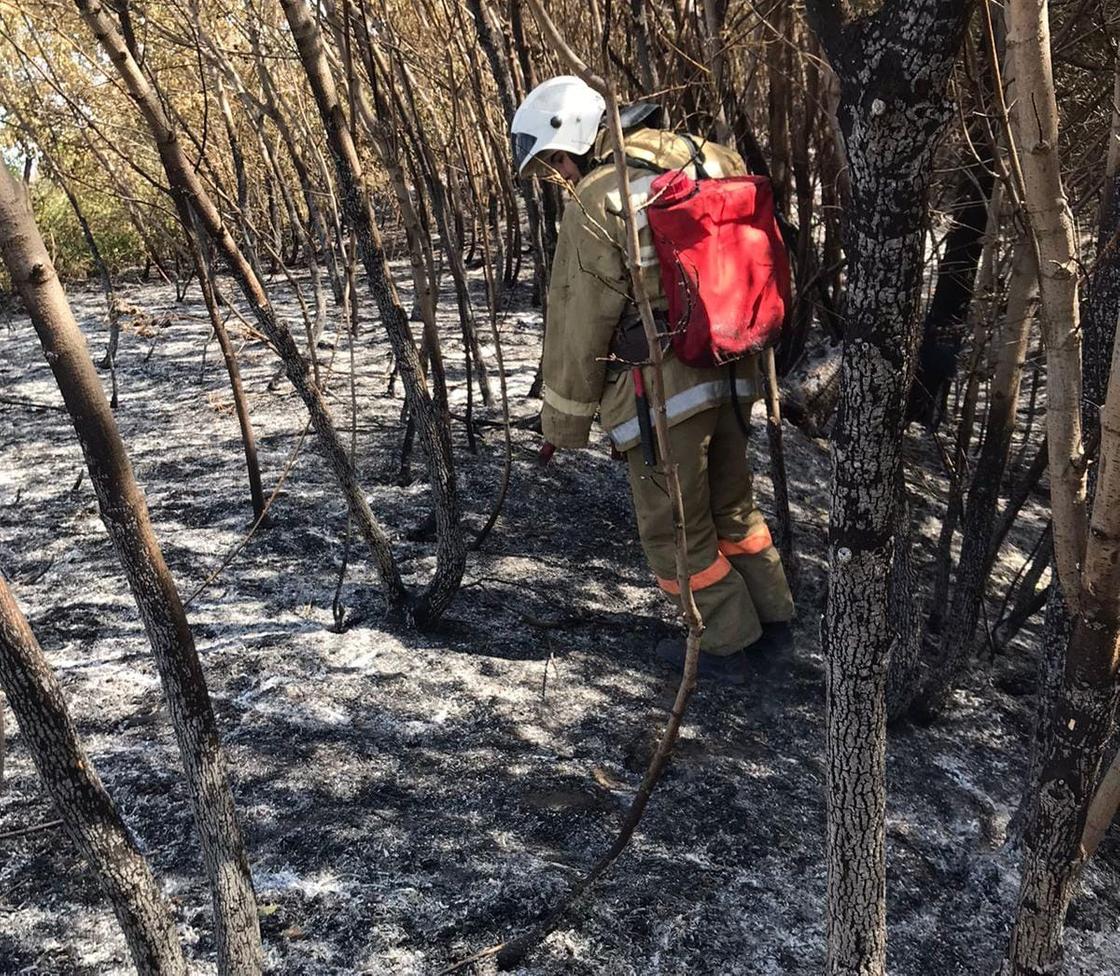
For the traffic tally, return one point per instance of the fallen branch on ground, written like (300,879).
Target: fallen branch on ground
(33,829)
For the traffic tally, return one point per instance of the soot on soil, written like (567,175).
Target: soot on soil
(409,799)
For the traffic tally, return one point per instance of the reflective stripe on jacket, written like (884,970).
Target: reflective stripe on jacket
(590,294)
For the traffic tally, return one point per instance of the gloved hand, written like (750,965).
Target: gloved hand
(544,455)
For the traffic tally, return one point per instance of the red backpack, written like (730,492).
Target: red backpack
(724,267)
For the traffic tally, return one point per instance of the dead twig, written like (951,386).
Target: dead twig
(260,519)
(510,952)
(33,829)
(257,522)
(30,404)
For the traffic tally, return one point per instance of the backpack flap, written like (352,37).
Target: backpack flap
(724,267)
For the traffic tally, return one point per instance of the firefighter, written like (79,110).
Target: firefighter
(594,337)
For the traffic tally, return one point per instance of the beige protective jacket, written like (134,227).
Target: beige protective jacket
(590,295)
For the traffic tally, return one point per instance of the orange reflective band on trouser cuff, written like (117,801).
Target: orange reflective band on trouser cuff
(758,540)
(706,577)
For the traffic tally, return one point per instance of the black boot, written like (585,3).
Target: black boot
(727,669)
(777,638)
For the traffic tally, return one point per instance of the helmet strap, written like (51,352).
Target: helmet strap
(583,162)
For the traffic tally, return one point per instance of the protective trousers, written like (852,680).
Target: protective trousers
(736,573)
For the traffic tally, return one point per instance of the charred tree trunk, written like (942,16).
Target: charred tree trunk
(1017,498)
(1028,597)
(1102,300)
(904,610)
(893,67)
(796,335)
(810,392)
(431,423)
(944,328)
(711,18)
(1080,722)
(229,356)
(499,65)
(778,70)
(980,316)
(125,514)
(983,497)
(88,813)
(647,66)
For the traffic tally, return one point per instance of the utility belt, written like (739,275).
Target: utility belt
(629,351)
(629,347)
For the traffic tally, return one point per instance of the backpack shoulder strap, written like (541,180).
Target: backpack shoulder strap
(697,157)
(645,164)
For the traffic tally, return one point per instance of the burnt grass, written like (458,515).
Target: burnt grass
(411,798)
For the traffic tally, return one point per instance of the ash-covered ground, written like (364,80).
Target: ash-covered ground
(409,799)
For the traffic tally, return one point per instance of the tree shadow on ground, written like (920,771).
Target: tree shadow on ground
(408,798)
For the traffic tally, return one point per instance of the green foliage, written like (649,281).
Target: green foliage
(117,240)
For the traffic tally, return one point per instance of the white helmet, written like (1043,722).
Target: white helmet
(561,113)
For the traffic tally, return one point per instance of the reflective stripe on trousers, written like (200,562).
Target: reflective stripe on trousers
(757,540)
(708,576)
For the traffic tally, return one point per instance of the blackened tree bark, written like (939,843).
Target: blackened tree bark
(944,329)
(779,81)
(1017,498)
(796,333)
(710,19)
(88,813)
(1081,721)
(980,317)
(893,68)
(1010,348)
(1057,627)
(1102,300)
(1100,309)
(125,514)
(647,65)
(904,610)
(1026,598)
(229,356)
(499,65)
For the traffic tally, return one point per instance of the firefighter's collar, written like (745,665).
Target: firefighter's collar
(638,143)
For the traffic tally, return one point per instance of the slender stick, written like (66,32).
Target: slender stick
(510,952)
